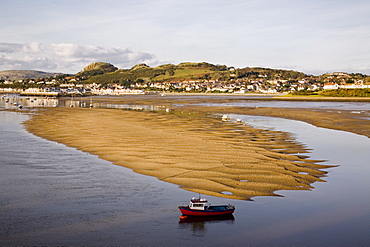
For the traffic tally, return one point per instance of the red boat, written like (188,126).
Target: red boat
(201,207)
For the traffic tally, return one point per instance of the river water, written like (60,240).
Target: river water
(298,104)
(56,195)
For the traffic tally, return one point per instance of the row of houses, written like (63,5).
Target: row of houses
(261,85)
(239,86)
(75,90)
(219,88)
(328,86)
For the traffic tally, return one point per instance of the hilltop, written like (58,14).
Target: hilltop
(14,75)
(96,68)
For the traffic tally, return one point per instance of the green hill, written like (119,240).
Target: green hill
(187,71)
(15,75)
(106,73)
(97,68)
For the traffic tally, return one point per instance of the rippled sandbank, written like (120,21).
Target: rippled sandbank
(196,151)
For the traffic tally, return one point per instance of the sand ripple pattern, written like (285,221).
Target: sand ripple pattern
(197,152)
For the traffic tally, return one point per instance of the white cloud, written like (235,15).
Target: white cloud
(27,62)
(9,47)
(33,47)
(67,57)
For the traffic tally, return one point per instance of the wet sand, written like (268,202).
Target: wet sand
(198,152)
(345,120)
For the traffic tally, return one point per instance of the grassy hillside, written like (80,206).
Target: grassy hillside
(185,74)
(25,74)
(105,73)
(346,93)
(187,71)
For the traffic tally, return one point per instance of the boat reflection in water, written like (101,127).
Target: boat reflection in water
(198,225)
(191,219)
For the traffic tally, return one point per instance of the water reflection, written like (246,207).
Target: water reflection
(7,100)
(14,101)
(198,225)
(297,104)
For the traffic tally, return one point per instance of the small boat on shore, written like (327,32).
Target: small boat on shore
(201,207)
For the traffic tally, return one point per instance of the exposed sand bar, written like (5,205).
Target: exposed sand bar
(195,151)
(346,120)
(356,122)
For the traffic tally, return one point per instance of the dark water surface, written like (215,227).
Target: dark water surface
(297,104)
(238,101)
(51,194)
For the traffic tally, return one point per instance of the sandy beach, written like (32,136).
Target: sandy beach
(189,147)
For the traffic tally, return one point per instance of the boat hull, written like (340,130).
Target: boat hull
(215,211)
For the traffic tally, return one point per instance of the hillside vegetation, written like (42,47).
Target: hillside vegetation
(346,93)
(181,72)
(97,68)
(25,74)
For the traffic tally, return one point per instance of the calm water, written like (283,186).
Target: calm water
(356,106)
(55,195)
(239,101)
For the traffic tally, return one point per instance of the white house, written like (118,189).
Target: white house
(330,86)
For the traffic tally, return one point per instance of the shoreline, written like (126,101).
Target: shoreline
(274,96)
(344,120)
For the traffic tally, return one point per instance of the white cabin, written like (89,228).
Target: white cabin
(198,203)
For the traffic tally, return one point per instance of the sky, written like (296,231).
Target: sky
(311,36)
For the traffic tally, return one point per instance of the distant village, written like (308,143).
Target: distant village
(70,85)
